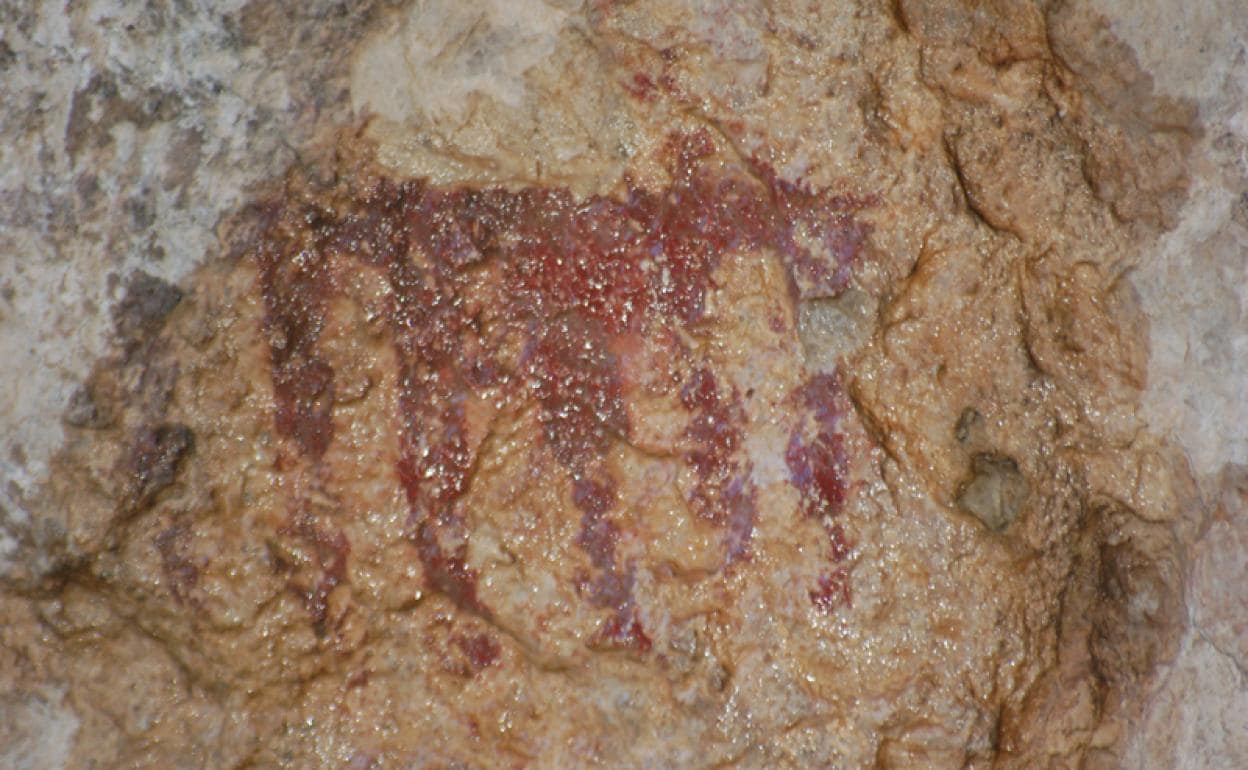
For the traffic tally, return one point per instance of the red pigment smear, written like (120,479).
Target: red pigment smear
(833,592)
(473,272)
(724,493)
(840,545)
(578,386)
(648,88)
(151,463)
(431,318)
(612,588)
(818,467)
(330,550)
(819,470)
(180,572)
(640,86)
(598,534)
(623,631)
(827,222)
(446,569)
(480,649)
(295,279)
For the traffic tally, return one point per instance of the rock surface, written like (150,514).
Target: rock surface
(1195,283)
(133,129)
(141,129)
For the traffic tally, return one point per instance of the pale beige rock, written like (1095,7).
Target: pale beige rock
(131,130)
(1195,286)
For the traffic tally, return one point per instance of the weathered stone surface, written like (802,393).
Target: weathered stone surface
(133,130)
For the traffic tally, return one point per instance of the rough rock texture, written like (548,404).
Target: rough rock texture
(1195,284)
(913,113)
(1196,715)
(132,130)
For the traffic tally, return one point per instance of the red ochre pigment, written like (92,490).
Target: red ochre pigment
(532,293)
